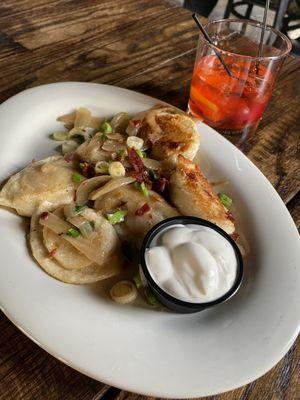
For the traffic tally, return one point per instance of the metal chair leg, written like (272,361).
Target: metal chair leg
(249,11)
(280,13)
(228,8)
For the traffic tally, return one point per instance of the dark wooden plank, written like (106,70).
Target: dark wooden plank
(28,372)
(276,148)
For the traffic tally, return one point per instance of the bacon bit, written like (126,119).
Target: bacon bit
(140,173)
(138,176)
(234,236)
(135,161)
(87,170)
(53,252)
(137,123)
(44,215)
(160,185)
(230,216)
(143,210)
(69,157)
(142,177)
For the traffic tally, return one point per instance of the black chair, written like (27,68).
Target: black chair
(279,7)
(287,16)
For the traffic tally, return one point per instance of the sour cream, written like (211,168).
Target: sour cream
(193,263)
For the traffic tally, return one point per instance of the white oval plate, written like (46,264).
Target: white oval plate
(140,350)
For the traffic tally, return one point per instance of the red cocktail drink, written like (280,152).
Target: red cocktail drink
(229,103)
(234,104)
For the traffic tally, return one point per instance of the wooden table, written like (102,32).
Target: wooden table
(148,46)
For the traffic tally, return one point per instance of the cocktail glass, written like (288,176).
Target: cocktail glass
(234,104)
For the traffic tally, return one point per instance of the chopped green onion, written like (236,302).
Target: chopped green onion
(92,223)
(116,217)
(116,169)
(134,142)
(101,167)
(105,127)
(142,187)
(79,209)
(76,177)
(140,153)
(122,154)
(78,138)
(103,137)
(225,200)
(138,280)
(73,232)
(152,175)
(60,135)
(144,190)
(151,299)
(82,165)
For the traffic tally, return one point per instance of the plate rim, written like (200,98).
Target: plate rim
(75,366)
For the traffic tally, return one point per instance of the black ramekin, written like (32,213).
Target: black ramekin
(166,299)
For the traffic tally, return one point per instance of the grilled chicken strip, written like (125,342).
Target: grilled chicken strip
(193,195)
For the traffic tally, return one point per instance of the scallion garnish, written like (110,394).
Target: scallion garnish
(92,223)
(225,200)
(116,217)
(76,177)
(140,153)
(138,280)
(105,127)
(101,167)
(150,297)
(73,232)
(142,187)
(80,208)
(152,175)
(78,138)
(122,154)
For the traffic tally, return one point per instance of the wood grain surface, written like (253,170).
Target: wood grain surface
(147,46)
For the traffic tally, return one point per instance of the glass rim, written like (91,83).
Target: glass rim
(249,22)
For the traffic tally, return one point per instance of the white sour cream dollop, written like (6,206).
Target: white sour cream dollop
(193,263)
